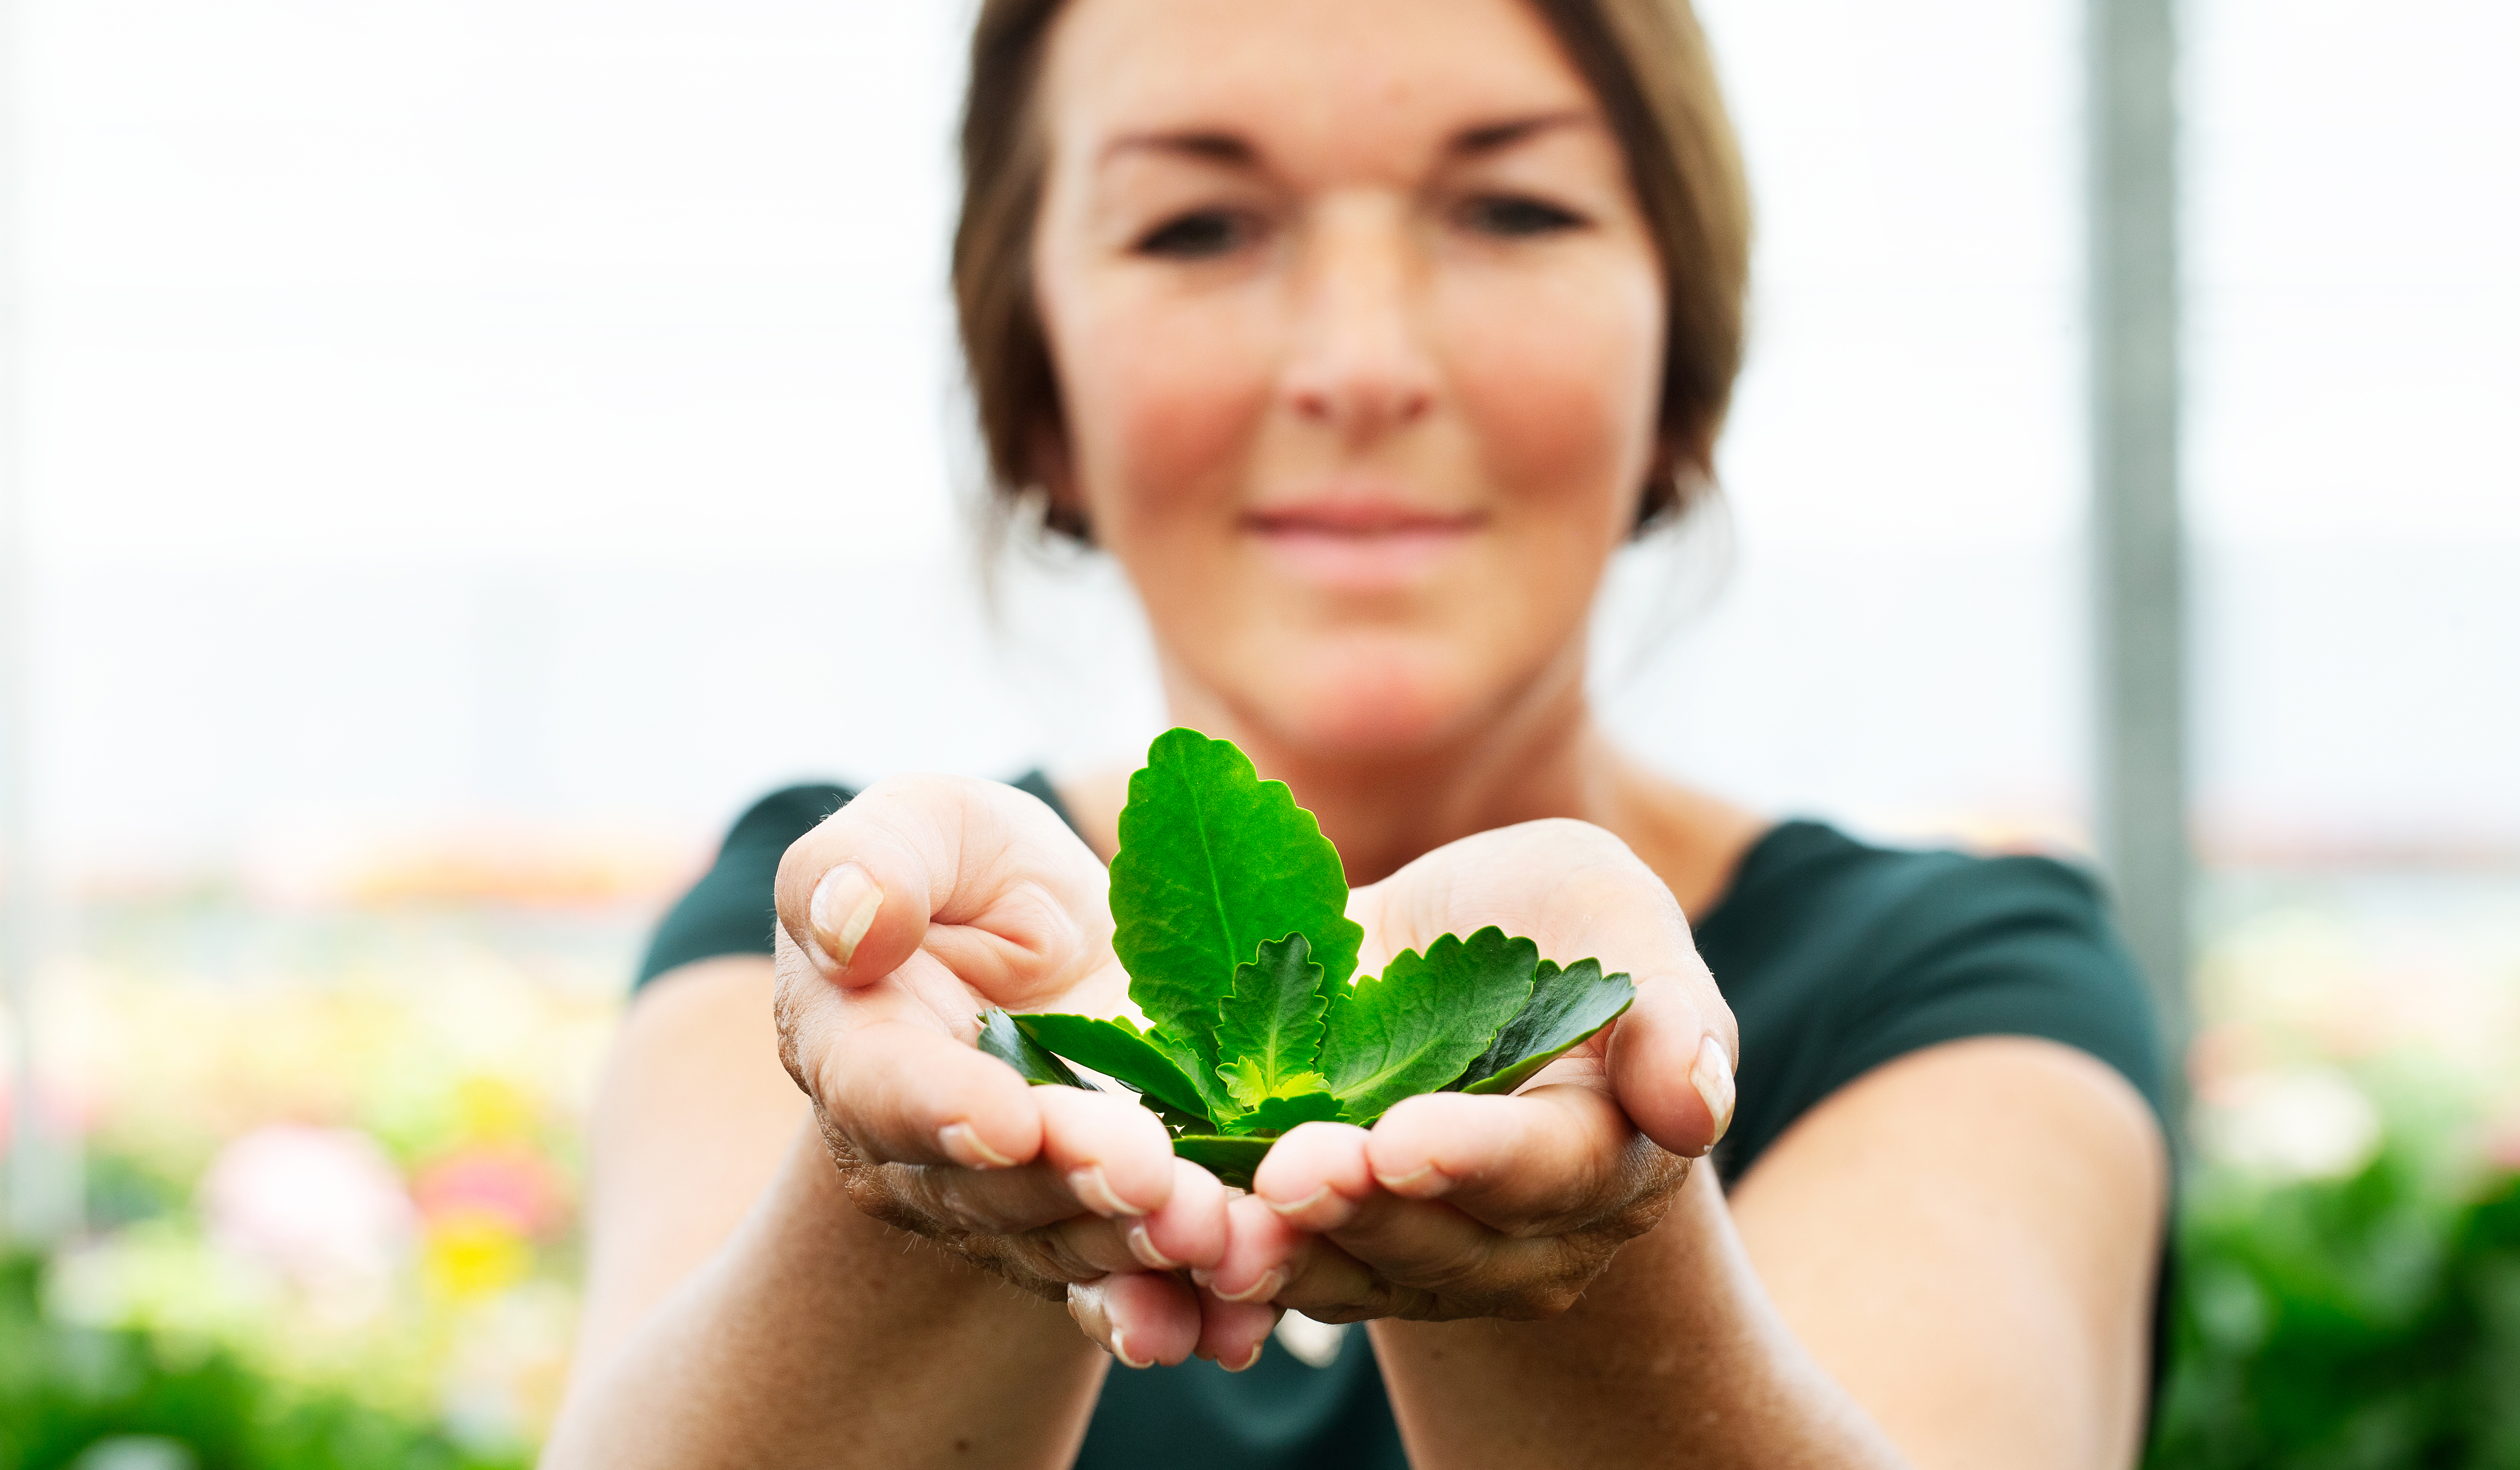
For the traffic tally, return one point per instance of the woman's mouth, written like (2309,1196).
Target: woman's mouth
(1360,546)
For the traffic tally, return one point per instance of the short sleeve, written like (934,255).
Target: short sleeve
(2002,947)
(731,909)
(1839,957)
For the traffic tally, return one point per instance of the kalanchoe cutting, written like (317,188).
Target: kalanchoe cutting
(1229,910)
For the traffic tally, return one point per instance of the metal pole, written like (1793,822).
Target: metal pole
(2139,569)
(35,1205)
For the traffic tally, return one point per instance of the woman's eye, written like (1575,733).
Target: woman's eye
(1514,218)
(1193,237)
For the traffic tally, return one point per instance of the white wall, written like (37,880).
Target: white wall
(542,410)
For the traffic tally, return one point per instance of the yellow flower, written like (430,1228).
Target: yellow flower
(476,1253)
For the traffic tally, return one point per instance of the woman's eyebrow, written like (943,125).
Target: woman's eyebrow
(1211,146)
(1492,137)
(1206,146)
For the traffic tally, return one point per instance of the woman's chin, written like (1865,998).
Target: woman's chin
(1367,703)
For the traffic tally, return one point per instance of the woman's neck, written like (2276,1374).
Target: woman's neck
(1543,756)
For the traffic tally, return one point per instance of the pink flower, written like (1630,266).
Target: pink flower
(318,1204)
(512,1184)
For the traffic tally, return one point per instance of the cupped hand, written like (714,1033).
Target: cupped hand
(902,917)
(1456,1206)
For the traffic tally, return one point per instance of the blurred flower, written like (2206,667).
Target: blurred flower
(502,1382)
(2300,1122)
(473,1254)
(513,1183)
(493,1109)
(324,1206)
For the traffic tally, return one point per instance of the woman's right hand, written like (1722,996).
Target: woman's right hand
(902,917)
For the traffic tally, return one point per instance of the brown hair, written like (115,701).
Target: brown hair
(1646,63)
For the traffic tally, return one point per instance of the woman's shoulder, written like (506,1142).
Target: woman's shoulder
(1838,954)
(1806,882)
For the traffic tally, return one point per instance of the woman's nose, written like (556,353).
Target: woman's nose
(1360,366)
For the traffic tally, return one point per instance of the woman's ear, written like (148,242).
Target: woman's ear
(1681,474)
(1053,470)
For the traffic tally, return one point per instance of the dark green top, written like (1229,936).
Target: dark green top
(1836,956)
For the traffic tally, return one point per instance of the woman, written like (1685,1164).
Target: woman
(1362,335)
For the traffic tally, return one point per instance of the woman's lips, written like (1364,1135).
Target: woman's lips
(1362,547)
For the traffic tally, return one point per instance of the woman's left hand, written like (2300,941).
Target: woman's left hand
(1457,1206)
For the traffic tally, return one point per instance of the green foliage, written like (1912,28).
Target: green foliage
(1427,1018)
(1214,861)
(1270,1029)
(65,1389)
(1567,1005)
(2365,1323)
(1230,912)
(1117,1048)
(1001,1038)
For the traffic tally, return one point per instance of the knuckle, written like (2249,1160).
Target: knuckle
(1550,1300)
(1454,1267)
(1049,1252)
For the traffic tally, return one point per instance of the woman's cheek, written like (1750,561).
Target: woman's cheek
(1561,384)
(1179,398)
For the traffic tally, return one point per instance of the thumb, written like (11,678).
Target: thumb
(859,892)
(1672,1061)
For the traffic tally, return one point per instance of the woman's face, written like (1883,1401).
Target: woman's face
(1359,341)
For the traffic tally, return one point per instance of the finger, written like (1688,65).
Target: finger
(1260,1249)
(1672,1059)
(1310,1274)
(1234,1334)
(1142,1320)
(1113,1153)
(1552,1159)
(906,1094)
(859,892)
(1315,1175)
(1188,1230)
(1427,1261)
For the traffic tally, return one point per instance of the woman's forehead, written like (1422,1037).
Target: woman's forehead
(1290,80)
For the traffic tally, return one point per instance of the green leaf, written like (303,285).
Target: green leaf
(1116,1048)
(1179,1123)
(1270,1029)
(1424,1020)
(1278,1114)
(1213,862)
(1000,1038)
(1243,1080)
(1567,1007)
(1233,1160)
(1199,1066)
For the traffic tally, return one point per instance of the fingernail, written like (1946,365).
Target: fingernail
(1712,1076)
(1424,1182)
(1090,1186)
(1299,1206)
(1249,1363)
(1143,1246)
(843,909)
(1201,1277)
(1120,1350)
(963,1145)
(1271,1281)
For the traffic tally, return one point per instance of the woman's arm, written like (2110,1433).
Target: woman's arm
(1950,1259)
(748,1307)
(1948,1265)
(740,1310)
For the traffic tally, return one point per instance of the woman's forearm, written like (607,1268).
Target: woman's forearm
(1675,1352)
(817,1336)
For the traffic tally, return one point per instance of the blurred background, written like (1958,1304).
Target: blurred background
(464,451)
